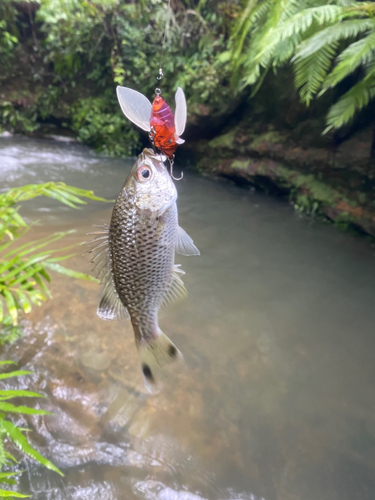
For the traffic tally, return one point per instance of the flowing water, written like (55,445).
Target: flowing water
(275,400)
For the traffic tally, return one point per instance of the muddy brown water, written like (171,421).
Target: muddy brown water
(276,397)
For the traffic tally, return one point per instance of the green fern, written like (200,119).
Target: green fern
(310,71)
(332,34)
(351,102)
(24,278)
(14,434)
(23,268)
(325,44)
(23,283)
(357,54)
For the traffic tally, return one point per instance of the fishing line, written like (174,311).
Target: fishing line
(161,60)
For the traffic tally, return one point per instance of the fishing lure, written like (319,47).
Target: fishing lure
(164,127)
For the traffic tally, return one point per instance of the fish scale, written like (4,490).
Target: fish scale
(137,266)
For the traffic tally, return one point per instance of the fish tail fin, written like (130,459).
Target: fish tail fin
(155,355)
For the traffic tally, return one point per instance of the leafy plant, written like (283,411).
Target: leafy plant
(8,33)
(104,130)
(11,433)
(18,118)
(82,50)
(327,42)
(24,278)
(24,275)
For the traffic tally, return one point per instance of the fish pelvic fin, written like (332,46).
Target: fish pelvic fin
(156,354)
(110,306)
(176,289)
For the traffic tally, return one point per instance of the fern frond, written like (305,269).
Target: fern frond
(351,102)
(23,276)
(361,8)
(12,494)
(357,54)
(310,72)
(340,31)
(253,15)
(345,3)
(68,195)
(303,20)
(294,29)
(283,52)
(21,442)
(293,6)
(252,75)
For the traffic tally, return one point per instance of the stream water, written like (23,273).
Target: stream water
(275,400)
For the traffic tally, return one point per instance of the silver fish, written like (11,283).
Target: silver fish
(134,260)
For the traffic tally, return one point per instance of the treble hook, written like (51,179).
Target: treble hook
(171,162)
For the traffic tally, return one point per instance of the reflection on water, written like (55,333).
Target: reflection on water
(275,400)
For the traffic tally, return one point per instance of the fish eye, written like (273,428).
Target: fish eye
(144,173)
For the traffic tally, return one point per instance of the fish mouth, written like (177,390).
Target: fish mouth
(156,159)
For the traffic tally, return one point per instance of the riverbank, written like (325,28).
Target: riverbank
(333,184)
(336,183)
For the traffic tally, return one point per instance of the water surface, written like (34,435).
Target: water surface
(276,398)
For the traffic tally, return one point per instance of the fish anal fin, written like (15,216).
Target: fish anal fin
(184,244)
(176,289)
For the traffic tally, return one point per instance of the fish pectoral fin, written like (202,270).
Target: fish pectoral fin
(184,244)
(176,289)
(110,306)
(180,141)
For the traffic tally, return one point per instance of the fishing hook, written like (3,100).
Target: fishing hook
(171,162)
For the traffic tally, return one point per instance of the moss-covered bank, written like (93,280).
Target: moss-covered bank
(337,183)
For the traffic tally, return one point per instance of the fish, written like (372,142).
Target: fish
(134,259)
(164,127)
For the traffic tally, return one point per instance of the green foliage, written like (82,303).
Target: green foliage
(24,275)
(24,279)
(106,131)
(326,44)
(13,434)
(82,50)
(8,34)
(18,118)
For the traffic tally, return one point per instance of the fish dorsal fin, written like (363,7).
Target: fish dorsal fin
(176,289)
(135,106)
(181,112)
(110,306)
(184,244)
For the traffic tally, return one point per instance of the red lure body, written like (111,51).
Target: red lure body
(163,130)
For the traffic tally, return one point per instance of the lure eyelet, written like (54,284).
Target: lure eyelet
(144,173)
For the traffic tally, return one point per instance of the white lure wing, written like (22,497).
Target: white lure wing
(181,111)
(135,106)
